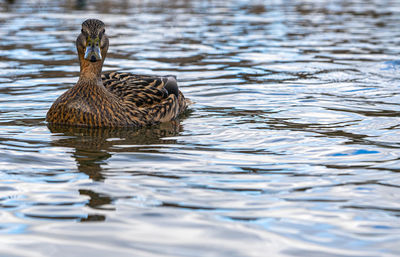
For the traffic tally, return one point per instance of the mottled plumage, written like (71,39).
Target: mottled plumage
(113,99)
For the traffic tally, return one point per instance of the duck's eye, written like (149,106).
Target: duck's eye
(102,33)
(84,32)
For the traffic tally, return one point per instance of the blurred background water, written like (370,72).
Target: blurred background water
(291,149)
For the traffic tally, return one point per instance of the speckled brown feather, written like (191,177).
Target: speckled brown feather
(114,99)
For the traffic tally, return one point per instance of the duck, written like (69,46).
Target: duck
(114,99)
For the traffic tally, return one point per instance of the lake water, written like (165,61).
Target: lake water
(292,147)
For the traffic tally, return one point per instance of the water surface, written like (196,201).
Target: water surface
(292,147)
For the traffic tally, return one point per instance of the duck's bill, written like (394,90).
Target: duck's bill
(92,52)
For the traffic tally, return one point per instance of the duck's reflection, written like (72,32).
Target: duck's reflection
(92,146)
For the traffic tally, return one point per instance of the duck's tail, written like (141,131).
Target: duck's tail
(188,102)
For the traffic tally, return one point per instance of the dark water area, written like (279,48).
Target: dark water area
(292,147)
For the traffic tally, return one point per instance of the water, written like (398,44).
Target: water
(292,147)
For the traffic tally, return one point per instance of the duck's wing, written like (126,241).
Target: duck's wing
(159,97)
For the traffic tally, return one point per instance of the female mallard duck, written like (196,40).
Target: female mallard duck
(113,99)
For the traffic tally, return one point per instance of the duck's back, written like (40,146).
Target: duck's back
(158,97)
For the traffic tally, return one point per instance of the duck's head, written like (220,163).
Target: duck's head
(92,43)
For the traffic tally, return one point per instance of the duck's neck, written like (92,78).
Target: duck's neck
(90,73)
